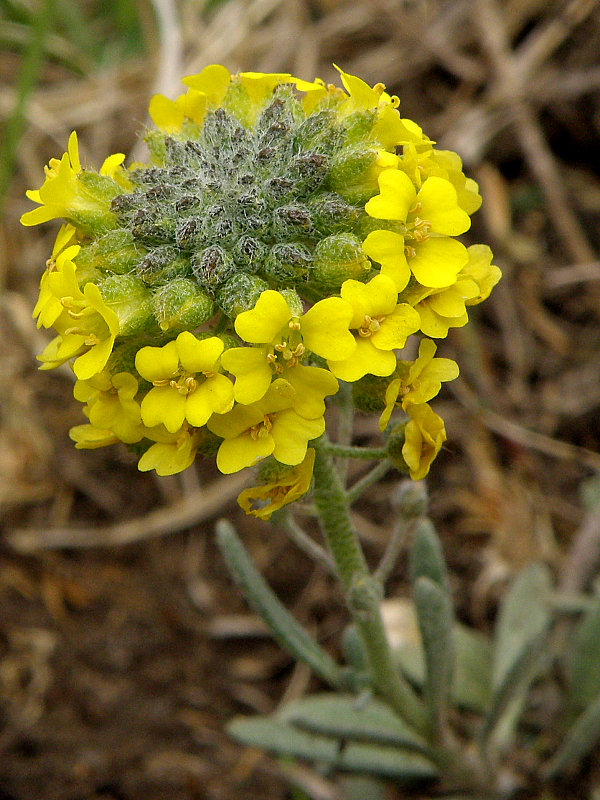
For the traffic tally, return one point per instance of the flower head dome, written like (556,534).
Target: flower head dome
(283,236)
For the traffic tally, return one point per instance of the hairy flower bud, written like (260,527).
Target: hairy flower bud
(338,258)
(181,305)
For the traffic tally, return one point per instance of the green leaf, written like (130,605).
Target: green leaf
(350,717)
(435,615)
(280,738)
(523,615)
(426,556)
(584,659)
(522,630)
(471,684)
(287,632)
(578,742)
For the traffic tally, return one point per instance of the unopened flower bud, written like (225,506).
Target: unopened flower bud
(409,499)
(130,299)
(287,262)
(212,267)
(240,293)
(352,175)
(116,249)
(161,265)
(338,258)
(359,125)
(331,214)
(181,305)
(394,446)
(368,394)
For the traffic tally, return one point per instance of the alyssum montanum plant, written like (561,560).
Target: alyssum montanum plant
(284,236)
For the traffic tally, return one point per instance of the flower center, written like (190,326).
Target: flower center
(262,429)
(370,325)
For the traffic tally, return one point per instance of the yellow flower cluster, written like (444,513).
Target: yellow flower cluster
(195,325)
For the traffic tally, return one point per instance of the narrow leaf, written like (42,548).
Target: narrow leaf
(426,556)
(278,737)
(287,632)
(435,616)
(350,717)
(584,658)
(578,742)
(522,631)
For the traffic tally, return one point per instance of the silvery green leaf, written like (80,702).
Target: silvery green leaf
(435,616)
(578,742)
(522,631)
(523,615)
(356,718)
(426,556)
(280,738)
(584,659)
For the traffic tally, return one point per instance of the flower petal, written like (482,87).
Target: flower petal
(387,248)
(437,261)
(291,434)
(366,360)
(157,363)
(397,196)
(243,451)
(261,324)
(324,328)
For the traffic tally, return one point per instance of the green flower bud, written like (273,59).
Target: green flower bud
(358,126)
(368,394)
(161,265)
(240,293)
(249,253)
(152,227)
(338,258)
(181,305)
(351,175)
(287,263)
(212,267)
(291,221)
(130,300)
(293,300)
(95,215)
(319,132)
(308,172)
(115,251)
(394,446)
(331,214)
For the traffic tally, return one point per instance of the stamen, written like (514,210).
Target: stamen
(294,325)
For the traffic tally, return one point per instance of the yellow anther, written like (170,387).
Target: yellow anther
(91,339)
(416,208)
(410,251)
(50,264)
(370,326)
(294,325)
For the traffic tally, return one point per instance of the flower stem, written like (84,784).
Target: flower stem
(363,592)
(348,451)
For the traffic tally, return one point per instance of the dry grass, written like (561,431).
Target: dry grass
(118,666)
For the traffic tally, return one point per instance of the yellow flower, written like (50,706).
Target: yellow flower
(382,325)
(88,437)
(323,329)
(206,90)
(262,501)
(110,404)
(268,427)
(171,452)
(424,436)
(65,192)
(441,309)
(49,307)
(254,368)
(418,381)
(421,164)
(87,327)
(430,217)
(187,382)
(287,338)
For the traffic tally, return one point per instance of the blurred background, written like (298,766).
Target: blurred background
(124,647)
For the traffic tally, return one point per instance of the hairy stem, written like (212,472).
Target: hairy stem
(363,592)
